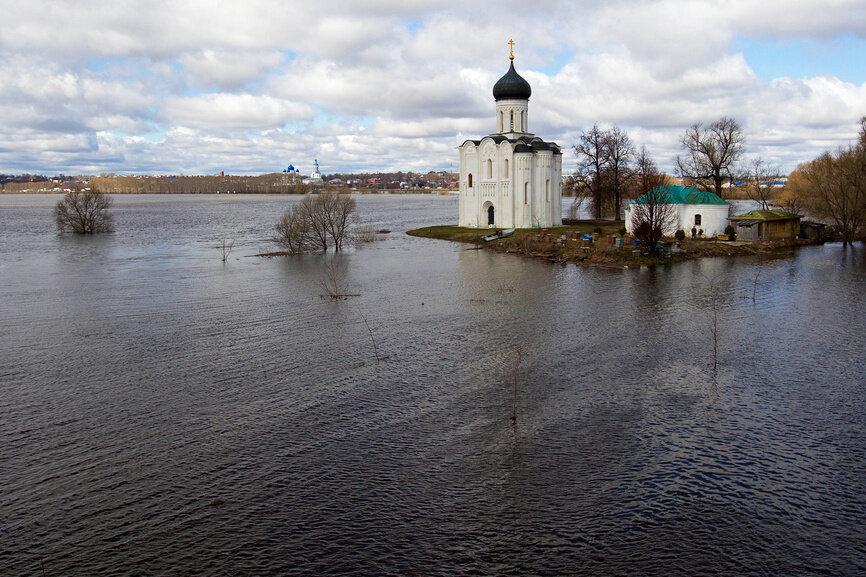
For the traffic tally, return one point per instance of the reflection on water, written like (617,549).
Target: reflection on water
(143,380)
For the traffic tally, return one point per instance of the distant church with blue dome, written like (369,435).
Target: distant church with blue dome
(510,178)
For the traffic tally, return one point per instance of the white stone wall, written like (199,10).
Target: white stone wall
(512,116)
(714,219)
(525,189)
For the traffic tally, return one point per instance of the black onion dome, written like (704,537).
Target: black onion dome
(512,85)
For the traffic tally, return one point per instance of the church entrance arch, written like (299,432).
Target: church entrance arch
(491,214)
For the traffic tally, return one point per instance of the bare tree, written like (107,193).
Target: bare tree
(714,303)
(227,249)
(605,159)
(592,160)
(316,223)
(293,232)
(716,297)
(515,375)
(862,143)
(338,211)
(757,274)
(575,206)
(760,180)
(620,157)
(373,340)
(794,197)
(646,174)
(84,213)
(711,153)
(652,213)
(311,209)
(335,283)
(837,189)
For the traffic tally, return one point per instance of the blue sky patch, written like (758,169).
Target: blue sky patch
(802,58)
(414,26)
(557,63)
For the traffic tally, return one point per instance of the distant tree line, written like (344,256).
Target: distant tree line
(274,183)
(833,188)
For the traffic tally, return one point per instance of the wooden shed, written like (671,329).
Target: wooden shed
(766,225)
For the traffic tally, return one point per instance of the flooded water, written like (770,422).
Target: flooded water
(163,413)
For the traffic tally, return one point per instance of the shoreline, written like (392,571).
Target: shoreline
(530,243)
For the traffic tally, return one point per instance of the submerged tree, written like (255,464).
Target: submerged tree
(84,213)
(317,222)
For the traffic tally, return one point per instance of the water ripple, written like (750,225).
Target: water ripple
(163,413)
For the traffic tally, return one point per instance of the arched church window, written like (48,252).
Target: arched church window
(501,121)
(512,121)
(505,169)
(522,121)
(547,189)
(525,193)
(489,168)
(470,180)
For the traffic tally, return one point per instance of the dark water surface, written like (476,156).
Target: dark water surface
(142,379)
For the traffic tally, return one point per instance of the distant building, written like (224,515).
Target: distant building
(702,210)
(510,178)
(766,225)
(315,176)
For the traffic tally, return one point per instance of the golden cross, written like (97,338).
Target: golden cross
(511,42)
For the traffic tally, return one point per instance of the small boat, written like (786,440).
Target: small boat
(498,234)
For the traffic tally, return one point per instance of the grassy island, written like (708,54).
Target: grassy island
(557,244)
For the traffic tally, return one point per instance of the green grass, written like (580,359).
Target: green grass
(461,234)
(457,233)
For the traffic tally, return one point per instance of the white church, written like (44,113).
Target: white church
(511,178)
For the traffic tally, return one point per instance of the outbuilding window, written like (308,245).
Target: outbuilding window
(697,220)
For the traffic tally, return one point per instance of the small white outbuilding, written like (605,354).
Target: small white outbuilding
(703,211)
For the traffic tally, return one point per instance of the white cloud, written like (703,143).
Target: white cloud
(228,69)
(234,111)
(165,86)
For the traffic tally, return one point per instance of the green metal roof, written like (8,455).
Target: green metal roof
(685,195)
(775,214)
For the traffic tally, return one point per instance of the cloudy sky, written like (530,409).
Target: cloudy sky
(250,86)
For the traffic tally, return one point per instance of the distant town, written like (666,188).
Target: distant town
(272,183)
